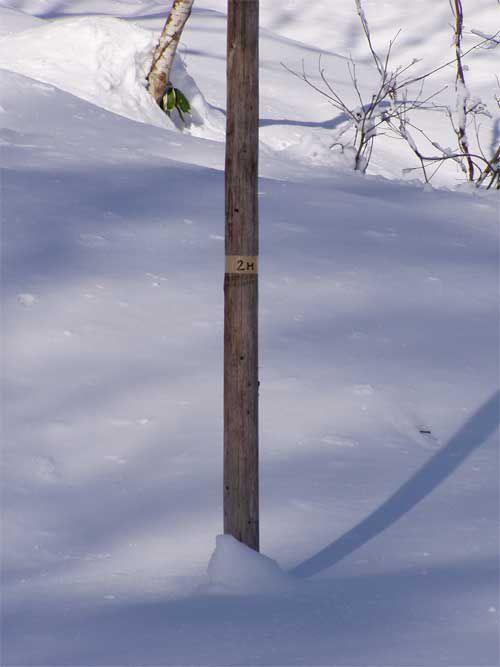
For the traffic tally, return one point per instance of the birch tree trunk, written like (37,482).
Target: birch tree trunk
(163,58)
(461,89)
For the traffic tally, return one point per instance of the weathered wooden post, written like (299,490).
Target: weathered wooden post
(241,460)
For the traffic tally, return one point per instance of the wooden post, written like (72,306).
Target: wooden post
(241,461)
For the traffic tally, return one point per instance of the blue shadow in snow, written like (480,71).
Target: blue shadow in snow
(474,432)
(326,124)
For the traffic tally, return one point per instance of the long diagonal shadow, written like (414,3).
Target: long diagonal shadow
(472,434)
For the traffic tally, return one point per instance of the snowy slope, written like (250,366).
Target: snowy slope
(379,319)
(16,21)
(424,35)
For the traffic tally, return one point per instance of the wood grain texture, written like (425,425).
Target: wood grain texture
(241,460)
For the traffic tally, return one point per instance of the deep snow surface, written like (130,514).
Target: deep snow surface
(379,366)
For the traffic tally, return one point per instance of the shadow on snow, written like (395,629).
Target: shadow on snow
(471,436)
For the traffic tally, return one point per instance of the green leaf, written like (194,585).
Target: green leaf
(182,103)
(170,100)
(175,99)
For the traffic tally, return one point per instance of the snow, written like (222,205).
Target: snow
(99,60)
(379,357)
(26,299)
(235,568)
(102,60)
(16,21)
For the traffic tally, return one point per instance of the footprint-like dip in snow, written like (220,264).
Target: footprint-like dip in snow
(44,467)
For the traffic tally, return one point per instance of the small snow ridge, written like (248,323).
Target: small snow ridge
(338,441)
(234,568)
(364,390)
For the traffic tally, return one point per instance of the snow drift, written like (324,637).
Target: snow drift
(103,60)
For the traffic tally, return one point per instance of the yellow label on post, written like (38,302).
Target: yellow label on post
(241,264)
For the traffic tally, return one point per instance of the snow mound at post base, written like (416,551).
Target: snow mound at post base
(237,569)
(105,61)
